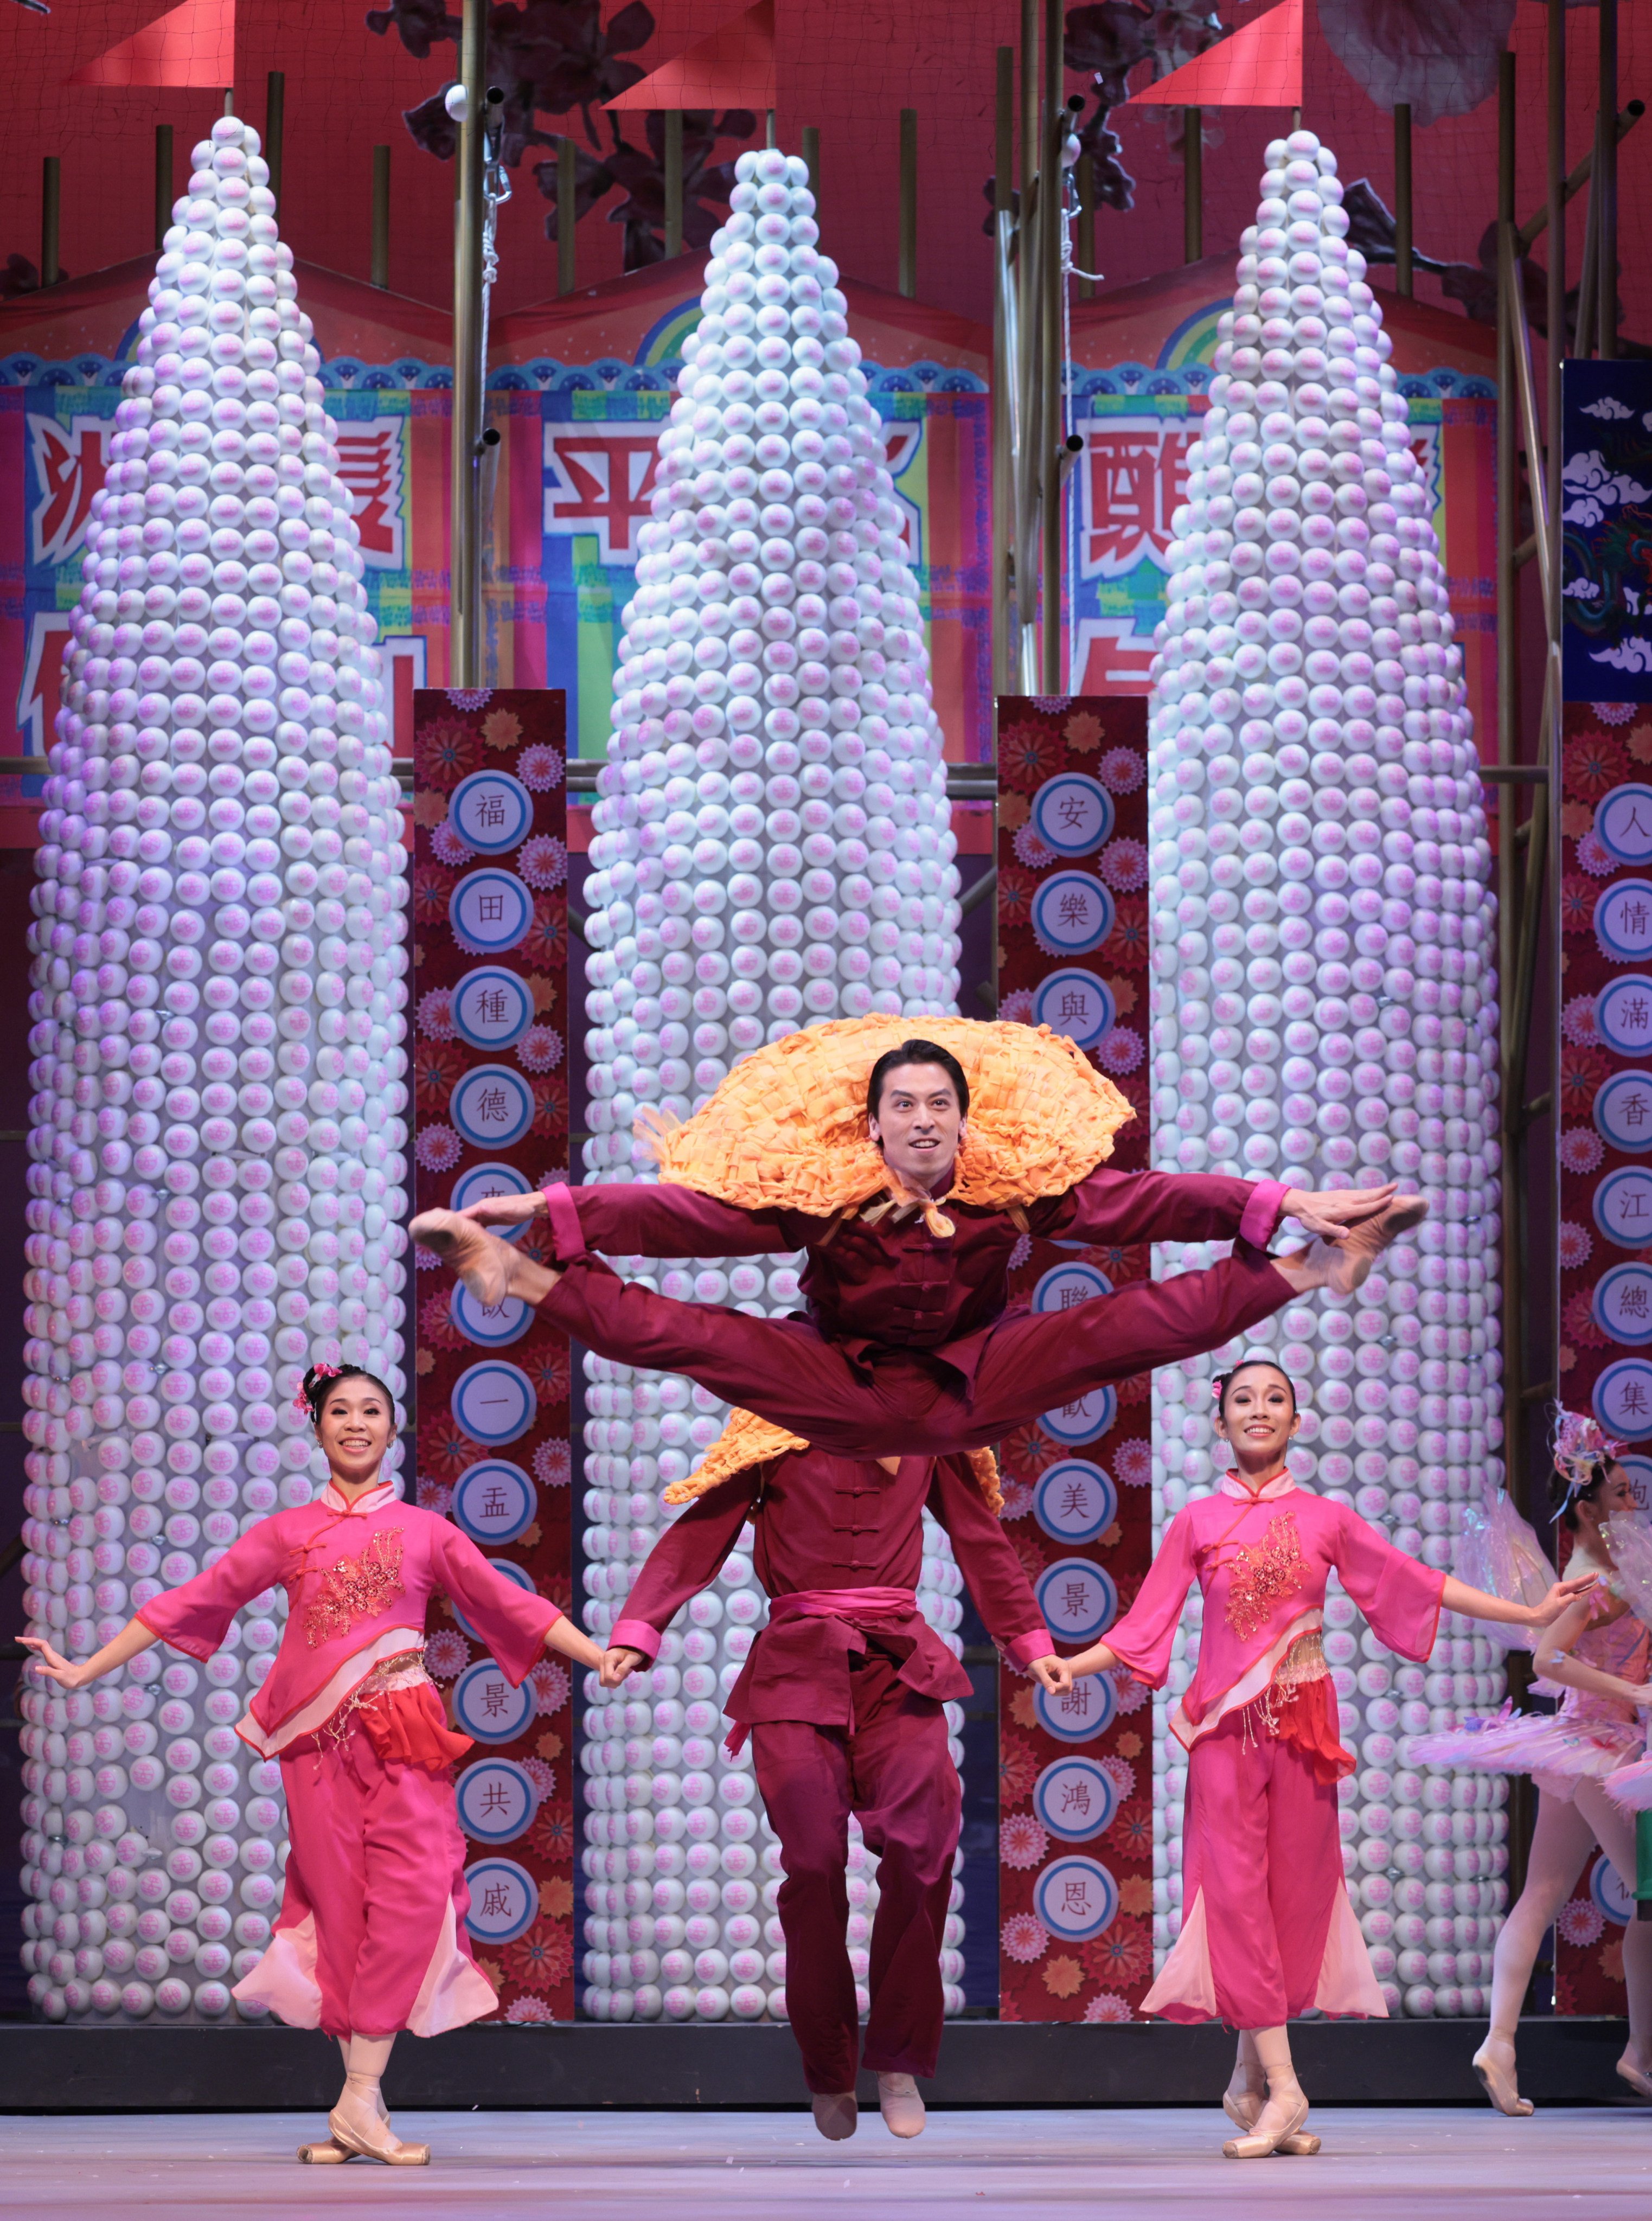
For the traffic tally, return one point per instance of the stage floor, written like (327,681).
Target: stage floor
(1378,2165)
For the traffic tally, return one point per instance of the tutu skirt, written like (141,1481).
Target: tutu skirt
(1630,1787)
(1558,1750)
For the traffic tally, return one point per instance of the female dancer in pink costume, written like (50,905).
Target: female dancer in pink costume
(370,1937)
(1579,1757)
(1267,1930)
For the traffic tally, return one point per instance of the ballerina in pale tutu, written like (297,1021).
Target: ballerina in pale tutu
(1579,1757)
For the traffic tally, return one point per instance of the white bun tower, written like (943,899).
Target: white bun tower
(217,1143)
(772,848)
(1326,1012)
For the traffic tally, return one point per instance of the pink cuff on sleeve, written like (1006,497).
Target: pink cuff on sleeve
(1038,1642)
(636,1635)
(568,1239)
(1261,1213)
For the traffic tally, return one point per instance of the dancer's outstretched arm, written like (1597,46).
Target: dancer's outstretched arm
(643,1218)
(1114,1206)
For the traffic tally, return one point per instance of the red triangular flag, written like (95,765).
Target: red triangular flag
(192,44)
(733,68)
(1260,66)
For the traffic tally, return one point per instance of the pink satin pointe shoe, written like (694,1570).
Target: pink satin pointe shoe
(375,2140)
(1630,2071)
(1494,2064)
(332,2154)
(481,1261)
(900,2104)
(1243,2105)
(835,2113)
(1263,2142)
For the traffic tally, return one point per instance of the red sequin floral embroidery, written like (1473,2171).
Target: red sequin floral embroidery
(355,1588)
(1262,1572)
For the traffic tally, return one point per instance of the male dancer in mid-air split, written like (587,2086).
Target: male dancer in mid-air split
(907,1348)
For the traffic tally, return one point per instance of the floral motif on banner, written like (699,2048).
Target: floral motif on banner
(1073,954)
(1605,1154)
(489,1005)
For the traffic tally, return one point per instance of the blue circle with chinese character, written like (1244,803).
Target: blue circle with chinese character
(494,1403)
(504,1901)
(1086,1419)
(485,1705)
(492,1008)
(1074,1501)
(1077,1600)
(514,1576)
(494,1502)
(1079,1714)
(492,1106)
(477,1182)
(1623,1111)
(490,912)
(1622,1304)
(1075,1002)
(1621,1398)
(490,812)
(1639,1470)
(1075,1799)
(1072,814)
(1623,1207)
(496,1799)
(1071,913)
(1611,1893)
(494,1326)
(1622,824)
(1623,1013)
(1075,1899)
(1622,919)
(1065,1286)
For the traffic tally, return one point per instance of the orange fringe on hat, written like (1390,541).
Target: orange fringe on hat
(787,1128)
(748,1441)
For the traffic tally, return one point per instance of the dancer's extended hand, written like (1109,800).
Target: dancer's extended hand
(66,1672)
(1055,1672)
(504,1210)
(618,1663)
(1328,1212)
(1560,1596)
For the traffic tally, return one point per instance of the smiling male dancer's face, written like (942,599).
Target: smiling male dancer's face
(919,1125)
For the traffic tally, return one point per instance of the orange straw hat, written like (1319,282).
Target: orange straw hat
(787,1128)
(748,1441)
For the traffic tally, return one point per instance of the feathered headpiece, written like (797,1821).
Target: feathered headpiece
(1580,1445)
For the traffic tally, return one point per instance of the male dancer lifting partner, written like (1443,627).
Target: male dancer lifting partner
(843,1695)
(906,1347)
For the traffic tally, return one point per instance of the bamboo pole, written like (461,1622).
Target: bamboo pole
(51,218)
(275,118)
(1028,98)
(567,195)
(1507,857)
(907,279)
(1004,367)
(673,163)
(1606,228)
(1086,225)
(381,218)
(1403,274)
(811,156)
(163,183)
(1052,455)
(1192,185)
(1556,304)
(1534,226)
(466,555)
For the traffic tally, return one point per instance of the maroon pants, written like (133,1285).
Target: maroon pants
(907,1402)
(892,1770)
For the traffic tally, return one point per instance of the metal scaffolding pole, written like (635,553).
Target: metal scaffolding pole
(465,556)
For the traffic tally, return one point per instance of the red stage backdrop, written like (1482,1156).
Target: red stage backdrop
(1075,1828)
(489,997)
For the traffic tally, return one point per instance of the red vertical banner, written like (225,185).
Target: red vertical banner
(490,996)
(1075,1829)
(1605,1180)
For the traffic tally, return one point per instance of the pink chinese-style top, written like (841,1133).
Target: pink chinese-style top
(1261,1558)
(359,1579)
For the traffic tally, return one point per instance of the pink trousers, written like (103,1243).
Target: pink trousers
(373,1917)
(1267,1930)
(893,1770)
(908,1402)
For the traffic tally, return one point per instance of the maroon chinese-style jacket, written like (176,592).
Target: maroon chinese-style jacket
(831,1523)
(899,1285)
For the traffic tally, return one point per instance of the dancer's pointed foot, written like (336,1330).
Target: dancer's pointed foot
(481,1261)
(1632,2071)
(900,2104)
(327,2154)
(363,2130)
(1494,2064)
(1278,2125)
(1353,1257)
(835,2113)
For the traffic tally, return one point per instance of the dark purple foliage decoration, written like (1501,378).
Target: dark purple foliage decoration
(642,175)
(18,275)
